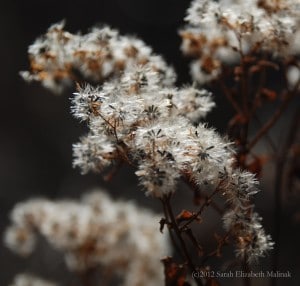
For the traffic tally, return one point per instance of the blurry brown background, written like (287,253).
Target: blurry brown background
(37,130)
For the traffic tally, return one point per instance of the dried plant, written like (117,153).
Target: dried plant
(135,114)
(249,51)
(96,231)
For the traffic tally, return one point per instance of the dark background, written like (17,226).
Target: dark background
(37,130)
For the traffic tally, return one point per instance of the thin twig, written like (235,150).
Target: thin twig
(199,212)
(217,250)
(276,115)
(181,240)
(230,98)
(177,248)
(261,84)
(194,187)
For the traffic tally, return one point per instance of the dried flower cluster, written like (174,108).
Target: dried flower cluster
(136,115)
(59,58)
(139,121)
(96,231)
(221,32)
(252,242)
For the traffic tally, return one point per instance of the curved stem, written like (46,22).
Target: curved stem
(177,248)
(181,240)
(199,212)
(290,95)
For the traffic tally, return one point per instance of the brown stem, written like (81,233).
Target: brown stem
(207,202)
(221,243)
(260,86)
(229,97)
(194,187)
(177,248)
(181,240)
(111,125)
(245,98)
(274,117)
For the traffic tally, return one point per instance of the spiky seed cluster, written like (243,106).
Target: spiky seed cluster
(59,58)
(139,120)
(93,232)
(241,220)
(139,117)
(218,32)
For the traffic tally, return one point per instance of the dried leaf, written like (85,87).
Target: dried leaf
(255,69)
(221,241)
(256,165)
(269,94)
(184,216)
(162,223)
(175,274)
(238,71)
(238,119)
